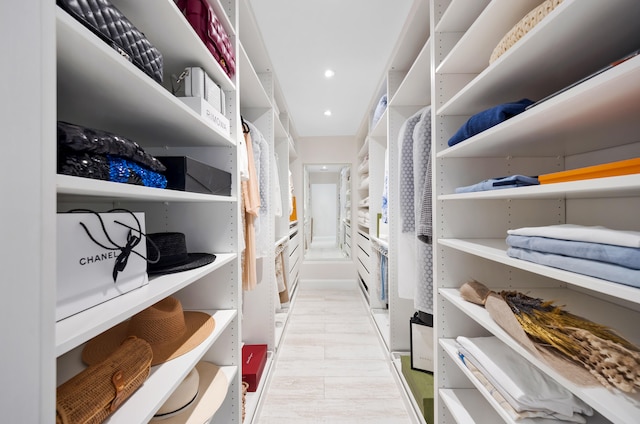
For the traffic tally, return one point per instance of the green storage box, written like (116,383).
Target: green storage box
(421,385)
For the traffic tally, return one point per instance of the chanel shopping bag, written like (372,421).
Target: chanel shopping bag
(99,256)
(422,341)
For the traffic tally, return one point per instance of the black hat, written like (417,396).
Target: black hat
(172,248)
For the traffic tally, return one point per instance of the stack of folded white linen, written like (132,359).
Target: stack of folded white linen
(363,217)
(520,388)
(364,183)
(597,251)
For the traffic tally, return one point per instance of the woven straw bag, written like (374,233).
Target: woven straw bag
(525,25)
(92,395)
(245,388)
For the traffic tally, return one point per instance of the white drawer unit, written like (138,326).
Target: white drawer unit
(363,257)
(294,257)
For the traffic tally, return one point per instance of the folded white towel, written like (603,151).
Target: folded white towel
(518,380)
(593,234)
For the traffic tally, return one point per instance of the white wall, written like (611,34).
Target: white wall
(324,199)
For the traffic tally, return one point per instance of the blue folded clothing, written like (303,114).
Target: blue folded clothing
(602,270)
(487,119)
(380,108)
(500,183)
(618,255)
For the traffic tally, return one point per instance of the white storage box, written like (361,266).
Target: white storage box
(86,270)
(198,84)
(216,120)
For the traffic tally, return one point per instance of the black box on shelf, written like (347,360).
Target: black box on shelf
(187,174)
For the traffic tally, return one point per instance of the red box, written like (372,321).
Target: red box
(254,358)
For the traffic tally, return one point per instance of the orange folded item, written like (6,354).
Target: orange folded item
(612,169)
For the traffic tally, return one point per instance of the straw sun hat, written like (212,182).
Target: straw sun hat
(197,398)
(169,330)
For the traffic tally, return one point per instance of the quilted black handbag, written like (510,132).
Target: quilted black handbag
(108,23)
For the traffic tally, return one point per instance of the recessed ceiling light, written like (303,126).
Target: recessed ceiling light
(324,167)
(329,73)
(327,113)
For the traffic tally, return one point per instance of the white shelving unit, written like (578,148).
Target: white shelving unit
(592,123)
(294,249)
(261,103)
(410,401)
(253,400)
(408,90)
(82,80)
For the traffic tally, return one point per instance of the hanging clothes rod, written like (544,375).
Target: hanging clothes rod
(379,248)
(280,247)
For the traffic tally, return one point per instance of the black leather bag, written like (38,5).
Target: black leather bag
(108,23)
(101,155)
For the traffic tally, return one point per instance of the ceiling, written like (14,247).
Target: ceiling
(354,38)
(328,168)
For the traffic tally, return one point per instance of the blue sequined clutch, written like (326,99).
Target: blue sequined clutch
(91,153)
(109,168)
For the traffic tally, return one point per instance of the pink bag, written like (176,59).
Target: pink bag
(206,24)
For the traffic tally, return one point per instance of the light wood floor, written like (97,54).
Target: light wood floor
(324,249)
(330,368)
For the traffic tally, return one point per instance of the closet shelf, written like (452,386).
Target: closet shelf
(468,406)
(172,34)
(379,129)
(471,54)
(253,398)
(364,150)
(280,130)
(517,73)
(96,76)
(459,15)
(292,150)
(450,346)
(137,408)
(382,324)
(415,89)
(283,239)
(615,406)
(253,94)
(496,250)
(140,407)
(68,186)
(621,186)
(600,110)
(78,328)
(396,361)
